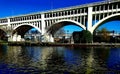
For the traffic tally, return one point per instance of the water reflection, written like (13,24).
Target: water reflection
(3,51)
(12,55)
(18,59)
(114,59)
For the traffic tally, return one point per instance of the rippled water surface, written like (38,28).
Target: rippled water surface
(58,60)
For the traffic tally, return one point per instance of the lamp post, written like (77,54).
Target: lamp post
(113,35)
(67,35)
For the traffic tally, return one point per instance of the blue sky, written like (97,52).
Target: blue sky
(113,25)
(18,7)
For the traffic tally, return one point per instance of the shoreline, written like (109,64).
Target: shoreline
(61,44)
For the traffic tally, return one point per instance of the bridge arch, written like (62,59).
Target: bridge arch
(104,20)
(27,27)
(3,34)
(59,24)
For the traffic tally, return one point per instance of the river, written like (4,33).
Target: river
(58,60)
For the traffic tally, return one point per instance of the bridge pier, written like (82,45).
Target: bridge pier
(47,38)
(90,17)
(15,37)
(43,24)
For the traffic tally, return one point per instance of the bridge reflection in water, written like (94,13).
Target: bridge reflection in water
(25,60)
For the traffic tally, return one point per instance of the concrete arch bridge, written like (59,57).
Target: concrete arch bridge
(48,22)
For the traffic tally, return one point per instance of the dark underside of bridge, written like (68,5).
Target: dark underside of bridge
(2,35)
(22,30)
(54,28)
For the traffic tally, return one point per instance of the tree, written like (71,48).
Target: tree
(77,36)
(83,36)
(60,32)
(86,36)
(104,34)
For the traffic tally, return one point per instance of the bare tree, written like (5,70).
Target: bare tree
(60,32)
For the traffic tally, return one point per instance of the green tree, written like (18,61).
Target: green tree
(87,37)
(104,33)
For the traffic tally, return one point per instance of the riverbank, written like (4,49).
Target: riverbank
(62,44)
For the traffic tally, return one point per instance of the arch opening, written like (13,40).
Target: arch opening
(22,30)
(26,32)
(114,17)
(3,35)
(62,31)
(110,25)
(57,26)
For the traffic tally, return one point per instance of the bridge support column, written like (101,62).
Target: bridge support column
(8,21)
(47,38)
(51,39)
(89,26)
(15,37)
(43,23)
(9,31)
(10,38)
